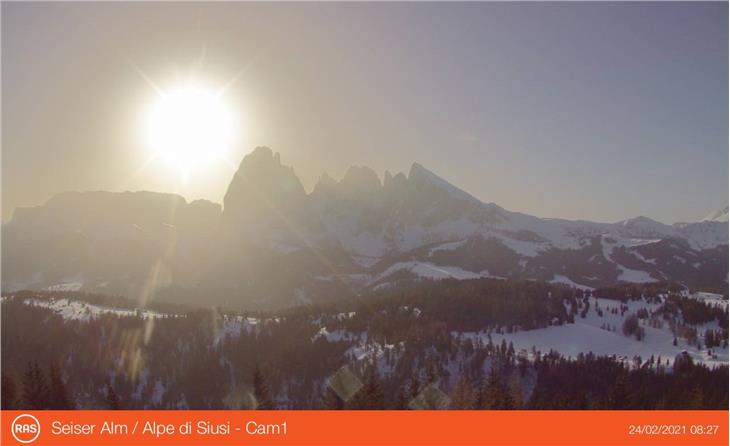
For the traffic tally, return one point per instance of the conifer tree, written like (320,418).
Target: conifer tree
(514,390)
(370,396)
(695,398)
(618,397)
(401,402)
(430,373)
(8,393)
(59,397)
(508,401)
(35,389)
(112,399)
(492,392)
(261,391)
(414,386)
(462,397)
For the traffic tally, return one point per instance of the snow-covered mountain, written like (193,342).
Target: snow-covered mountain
(274,244)
(719,215)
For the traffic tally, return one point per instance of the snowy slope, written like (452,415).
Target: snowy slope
(720,215)
(82,311)
(431,271)
(590,335)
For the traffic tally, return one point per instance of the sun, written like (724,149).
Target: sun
(189,127)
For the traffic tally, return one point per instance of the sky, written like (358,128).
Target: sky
(596,111)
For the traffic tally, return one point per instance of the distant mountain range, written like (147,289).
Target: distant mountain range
(720,215)
(272,244)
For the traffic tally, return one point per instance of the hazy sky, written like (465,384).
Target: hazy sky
(591,111)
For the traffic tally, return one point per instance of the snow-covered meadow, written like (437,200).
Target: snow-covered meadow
(602,335)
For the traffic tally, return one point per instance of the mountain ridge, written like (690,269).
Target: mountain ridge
(274,242)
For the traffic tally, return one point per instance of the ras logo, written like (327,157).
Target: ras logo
(25,428)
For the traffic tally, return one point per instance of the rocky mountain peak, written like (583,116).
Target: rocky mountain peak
(262,187)
(423,179)
(360,181)
(325,184)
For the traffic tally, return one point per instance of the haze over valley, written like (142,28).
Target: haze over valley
(272,245)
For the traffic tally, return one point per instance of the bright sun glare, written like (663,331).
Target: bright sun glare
(189,127)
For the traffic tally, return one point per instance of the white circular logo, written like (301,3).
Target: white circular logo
(25,428)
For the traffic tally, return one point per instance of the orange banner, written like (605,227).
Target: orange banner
(342,428)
